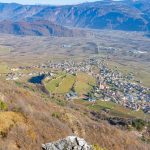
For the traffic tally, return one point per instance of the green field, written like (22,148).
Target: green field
(52,84)
(115,109)
(63,83)
(84,83)
(66,84)
(82,87)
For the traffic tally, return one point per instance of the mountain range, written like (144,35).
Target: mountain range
(127,15)
(37,28)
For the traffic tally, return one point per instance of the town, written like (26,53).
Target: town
(110,85)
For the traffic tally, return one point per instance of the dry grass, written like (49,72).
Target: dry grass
(8,120)
(41,127)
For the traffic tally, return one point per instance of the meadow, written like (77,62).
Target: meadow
(66,84)
(84,83)
(115,109)
(52,84)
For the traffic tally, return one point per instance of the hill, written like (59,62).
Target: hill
(37,28)
(33,118)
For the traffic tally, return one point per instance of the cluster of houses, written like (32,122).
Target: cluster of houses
(71,95)
(17,75)
(111,85)
(116,87)
(69,66)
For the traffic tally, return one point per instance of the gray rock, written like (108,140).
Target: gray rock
(69,143)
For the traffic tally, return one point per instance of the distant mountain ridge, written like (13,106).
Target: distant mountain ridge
(128,15)
(37,28)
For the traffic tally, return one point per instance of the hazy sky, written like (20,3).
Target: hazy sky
(55,2)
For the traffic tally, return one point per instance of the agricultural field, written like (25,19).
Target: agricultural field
(66,84)
(84,83)
(52,84)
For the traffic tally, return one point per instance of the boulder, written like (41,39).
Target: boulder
(69,143)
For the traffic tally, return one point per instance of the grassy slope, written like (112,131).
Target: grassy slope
(115,110)
(52,84)
(66,84)
(8,120)
(84,83)
(46,121)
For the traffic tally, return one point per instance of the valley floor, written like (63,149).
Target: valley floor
(50,90)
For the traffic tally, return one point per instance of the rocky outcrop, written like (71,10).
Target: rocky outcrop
(69,143)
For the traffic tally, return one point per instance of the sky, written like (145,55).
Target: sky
(53,2)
